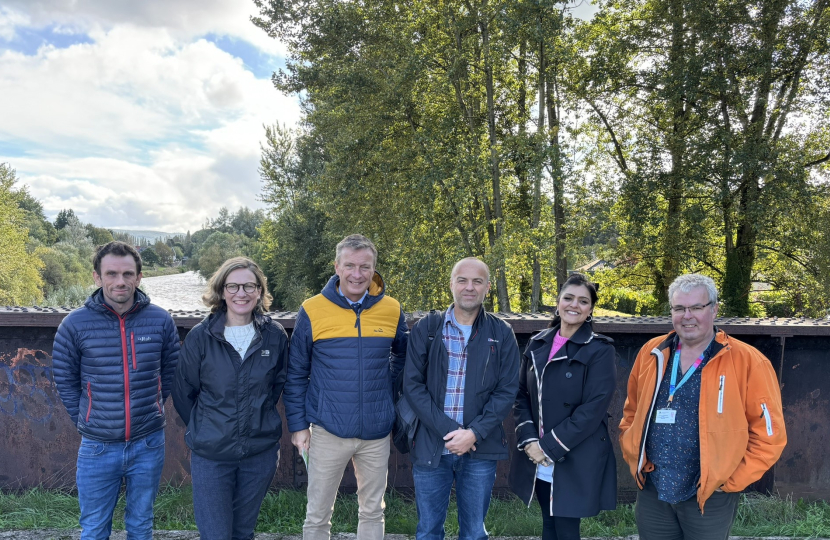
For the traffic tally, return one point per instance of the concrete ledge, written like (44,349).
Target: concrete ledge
(75,534)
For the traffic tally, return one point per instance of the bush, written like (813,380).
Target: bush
(71,296)
(627,301)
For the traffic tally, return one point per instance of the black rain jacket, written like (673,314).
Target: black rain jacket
(571,394)
(230,406)
(489,390)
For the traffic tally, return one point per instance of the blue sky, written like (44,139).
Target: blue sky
(137,114)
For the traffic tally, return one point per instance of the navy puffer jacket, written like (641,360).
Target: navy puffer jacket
(342,363)
(114,372)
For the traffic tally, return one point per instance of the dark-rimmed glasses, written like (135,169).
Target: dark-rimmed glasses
(233,288)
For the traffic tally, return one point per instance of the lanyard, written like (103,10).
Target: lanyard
(674,386)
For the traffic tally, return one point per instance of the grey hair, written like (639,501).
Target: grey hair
(687,282)
(356,242)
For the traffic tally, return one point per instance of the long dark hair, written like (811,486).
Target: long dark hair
(576,279)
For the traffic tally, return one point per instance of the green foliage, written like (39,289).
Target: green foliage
(165,253)
(20,280)
(71,296)
(149,257)
(98,235)
(216,249)
(63,217)
(63,267)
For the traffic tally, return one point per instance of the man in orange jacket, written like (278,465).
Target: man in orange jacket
(701,422)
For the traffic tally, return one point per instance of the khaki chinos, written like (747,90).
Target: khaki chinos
(328,456)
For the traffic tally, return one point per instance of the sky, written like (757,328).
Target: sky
(138,114)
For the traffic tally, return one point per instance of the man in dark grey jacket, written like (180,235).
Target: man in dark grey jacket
(460,380)
(113,362)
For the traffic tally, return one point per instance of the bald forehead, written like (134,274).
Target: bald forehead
(470,265)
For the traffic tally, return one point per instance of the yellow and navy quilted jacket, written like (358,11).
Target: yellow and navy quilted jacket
(342,363)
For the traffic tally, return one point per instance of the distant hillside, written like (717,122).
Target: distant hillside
(150,236)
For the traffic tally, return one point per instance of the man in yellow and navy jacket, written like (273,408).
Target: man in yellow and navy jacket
(702,421)
(347,348)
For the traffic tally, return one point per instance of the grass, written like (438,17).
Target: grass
(283,512)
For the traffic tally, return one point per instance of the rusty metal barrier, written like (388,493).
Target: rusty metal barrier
(38,442)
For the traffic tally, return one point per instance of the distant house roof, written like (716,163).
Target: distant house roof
(596,264)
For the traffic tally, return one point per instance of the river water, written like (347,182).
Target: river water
(179,292)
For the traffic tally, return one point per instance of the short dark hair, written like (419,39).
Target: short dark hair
(119,249)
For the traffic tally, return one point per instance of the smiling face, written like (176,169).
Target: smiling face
(118,281)
(694,327)
(355,268)
(241,304)
(469,284)
(574,305)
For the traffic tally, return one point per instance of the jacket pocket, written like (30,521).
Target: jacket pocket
(720,393)
(159,398)
(88,401)
(767,418)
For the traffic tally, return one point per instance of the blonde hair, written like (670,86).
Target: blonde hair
(213,296)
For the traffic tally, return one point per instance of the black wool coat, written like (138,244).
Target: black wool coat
(571,394)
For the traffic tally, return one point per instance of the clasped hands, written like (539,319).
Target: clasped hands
(460,441)
(536,455)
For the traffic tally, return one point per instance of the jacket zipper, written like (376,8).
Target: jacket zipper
(126,367)
(132,347)
(766,416)
(89,399)
(720,394)
(359,363)
(659,379)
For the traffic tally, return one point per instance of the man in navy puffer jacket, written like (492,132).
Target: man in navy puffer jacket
(113,362)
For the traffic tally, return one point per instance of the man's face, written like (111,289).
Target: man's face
(356,268)
(469,285)
(118,280)
(693,325)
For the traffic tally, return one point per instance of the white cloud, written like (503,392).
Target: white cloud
(148,125)
(185,19)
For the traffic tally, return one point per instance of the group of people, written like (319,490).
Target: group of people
(702,419)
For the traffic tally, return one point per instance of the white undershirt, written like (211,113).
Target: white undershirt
(240,337)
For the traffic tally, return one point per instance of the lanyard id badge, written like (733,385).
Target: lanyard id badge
(667,415)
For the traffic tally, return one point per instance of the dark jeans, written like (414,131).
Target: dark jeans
(554,527)
(101,467)
(227,495)
(659,520)
(474,479)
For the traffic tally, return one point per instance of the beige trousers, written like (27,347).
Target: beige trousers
(328,456)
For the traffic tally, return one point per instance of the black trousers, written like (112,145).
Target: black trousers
(554,527)
(659,520)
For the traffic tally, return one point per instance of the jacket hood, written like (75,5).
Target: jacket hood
(96,302)
(377,288)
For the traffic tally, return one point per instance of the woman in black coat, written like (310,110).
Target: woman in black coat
(566,383)
(230,376)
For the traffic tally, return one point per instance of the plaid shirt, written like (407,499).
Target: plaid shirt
(457,351)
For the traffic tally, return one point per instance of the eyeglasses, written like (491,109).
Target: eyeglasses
(694,310)
(233,288)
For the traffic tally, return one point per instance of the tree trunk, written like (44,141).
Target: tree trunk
(495,176)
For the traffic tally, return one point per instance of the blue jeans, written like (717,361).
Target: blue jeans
(101,467)
(227,495)
(474,479)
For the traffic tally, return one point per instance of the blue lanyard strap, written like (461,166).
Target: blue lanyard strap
(674,386)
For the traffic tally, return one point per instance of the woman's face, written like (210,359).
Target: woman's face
(574,304)
(241,303)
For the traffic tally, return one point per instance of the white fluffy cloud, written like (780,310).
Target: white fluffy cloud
(143,124)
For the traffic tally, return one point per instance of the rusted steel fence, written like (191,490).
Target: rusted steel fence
(38,443)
